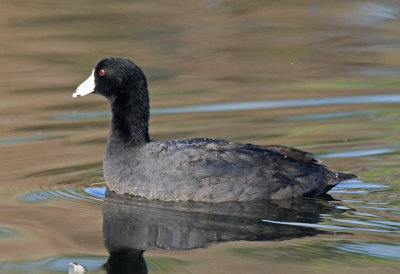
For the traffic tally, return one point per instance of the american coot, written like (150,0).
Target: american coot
(198,169)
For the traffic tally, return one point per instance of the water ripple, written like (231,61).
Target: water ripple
(22,140)
(250,105)
(81,116)
(326,116)
(358,153)
(366,223)
(371,249)
(357,187)
(6,232)
(271,104)
(86,194)
(330,227)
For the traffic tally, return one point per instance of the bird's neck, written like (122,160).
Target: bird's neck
(130,122)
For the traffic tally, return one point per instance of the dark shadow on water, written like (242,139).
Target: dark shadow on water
(132,226)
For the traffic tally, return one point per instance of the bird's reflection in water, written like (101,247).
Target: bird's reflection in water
(132,225)
(125,260)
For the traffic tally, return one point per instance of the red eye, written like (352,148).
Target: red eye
(102,72)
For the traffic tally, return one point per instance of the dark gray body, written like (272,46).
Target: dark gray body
(214,171)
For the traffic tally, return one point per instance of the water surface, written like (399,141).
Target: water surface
(320,76)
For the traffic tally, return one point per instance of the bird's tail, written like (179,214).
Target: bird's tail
(344,176)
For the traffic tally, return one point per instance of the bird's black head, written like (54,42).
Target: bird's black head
(114,78)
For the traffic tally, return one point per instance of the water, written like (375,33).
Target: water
(318,76)
(392,98)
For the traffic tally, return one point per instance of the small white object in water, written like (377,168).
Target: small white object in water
(75,268)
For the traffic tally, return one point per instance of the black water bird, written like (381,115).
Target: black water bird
(199,169)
